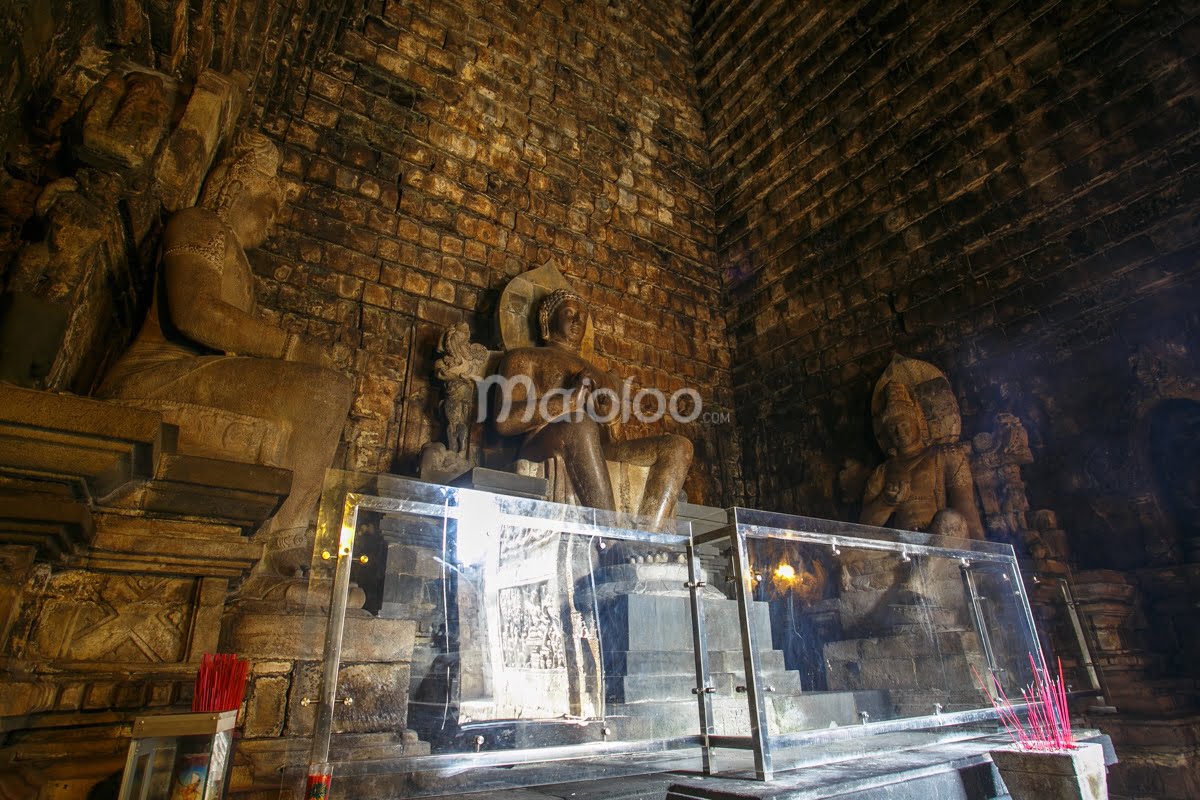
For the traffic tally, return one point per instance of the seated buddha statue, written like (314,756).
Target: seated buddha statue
(919,478)
(205,343)
(577,408)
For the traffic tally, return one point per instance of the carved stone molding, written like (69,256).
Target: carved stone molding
(63,459)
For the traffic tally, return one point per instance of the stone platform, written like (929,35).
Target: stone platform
(649,669)
(916,766)
(947,770)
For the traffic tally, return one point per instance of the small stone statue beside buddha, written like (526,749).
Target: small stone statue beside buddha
(570,384)
(204,345)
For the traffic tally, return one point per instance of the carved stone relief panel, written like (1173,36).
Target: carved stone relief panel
(110,617)
(522,637)
(531,627)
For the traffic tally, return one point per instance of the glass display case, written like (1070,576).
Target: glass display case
(521,632)
(850,630)
(179,756)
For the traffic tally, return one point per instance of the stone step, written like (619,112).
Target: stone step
(858,770)
(649,622)
(817,710)
(638,688)
(662,662)
(786,713)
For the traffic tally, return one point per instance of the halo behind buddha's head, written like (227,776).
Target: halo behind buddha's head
(517,314)
(929,389)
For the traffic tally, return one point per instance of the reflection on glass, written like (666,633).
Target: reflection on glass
(530,631)
(871,634)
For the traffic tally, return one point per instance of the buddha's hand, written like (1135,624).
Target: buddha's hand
(896,491)
(604,403)
(580,387)
(308,352)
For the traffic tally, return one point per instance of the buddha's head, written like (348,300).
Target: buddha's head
(903,427)
(243,188)
(563,319)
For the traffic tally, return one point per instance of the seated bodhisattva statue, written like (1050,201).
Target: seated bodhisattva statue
(204,342)
(922,486)
(562,405)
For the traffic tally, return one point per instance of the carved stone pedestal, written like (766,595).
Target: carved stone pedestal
(285,648)
(649,668)
(890,596)
(1172,597)
(1110,606)
(119,550)
(913,671)
(1160,755)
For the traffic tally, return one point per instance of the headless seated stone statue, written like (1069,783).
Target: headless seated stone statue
(569,398)
(232,380)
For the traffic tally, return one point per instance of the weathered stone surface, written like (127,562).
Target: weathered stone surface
(266,699)
(378,693)
(124,458)
(222,433)
(1076,775)
(103,445)
(915,671)
(96,617)
(54,523)
(168,31)
(293,637)
(208,118)
(68,275)
(129,23)
(169,546)
(125,116)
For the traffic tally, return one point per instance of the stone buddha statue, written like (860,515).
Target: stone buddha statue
(562,405)
(923,486)
(204,346)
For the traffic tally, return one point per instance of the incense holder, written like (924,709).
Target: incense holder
(1077,774)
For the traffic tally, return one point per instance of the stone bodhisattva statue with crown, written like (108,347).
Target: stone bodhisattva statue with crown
(924,485)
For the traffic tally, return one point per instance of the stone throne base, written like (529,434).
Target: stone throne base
(285,646)
(918,675)
(911,636)
(650,671)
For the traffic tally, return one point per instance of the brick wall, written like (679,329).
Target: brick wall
(437,149)
(986,186)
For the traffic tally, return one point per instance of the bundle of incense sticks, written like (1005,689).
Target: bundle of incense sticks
(220,683)
(1049,719)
